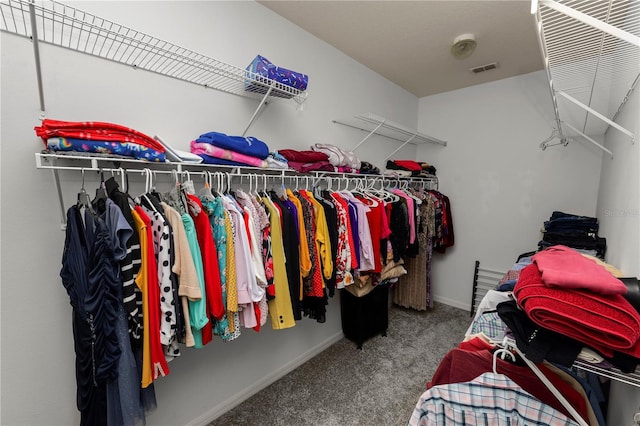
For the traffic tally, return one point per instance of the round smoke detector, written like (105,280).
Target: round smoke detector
(463,46)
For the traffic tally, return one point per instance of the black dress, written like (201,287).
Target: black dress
(90,275)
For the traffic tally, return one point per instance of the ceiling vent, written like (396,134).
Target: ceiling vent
(483,68)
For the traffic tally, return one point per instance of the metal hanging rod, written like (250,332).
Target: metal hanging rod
(86,163)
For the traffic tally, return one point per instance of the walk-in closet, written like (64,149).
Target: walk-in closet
(202,199)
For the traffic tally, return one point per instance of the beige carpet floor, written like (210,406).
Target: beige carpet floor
(378,385)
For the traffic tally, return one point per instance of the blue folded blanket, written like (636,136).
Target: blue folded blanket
(244,145)
(127,149)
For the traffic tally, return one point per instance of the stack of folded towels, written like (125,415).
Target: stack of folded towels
(221,149)
(99,138)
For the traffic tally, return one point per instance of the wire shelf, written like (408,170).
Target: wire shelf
(64,26)
(632,379)
(91,162)
(592,54)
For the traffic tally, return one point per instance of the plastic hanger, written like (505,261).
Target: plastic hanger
(566,404)
(83,197)
(147,189)
(205,192)
(101,191)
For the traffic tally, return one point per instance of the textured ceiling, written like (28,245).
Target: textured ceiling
(409,42)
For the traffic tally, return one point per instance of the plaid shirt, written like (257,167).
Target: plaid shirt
(490,399)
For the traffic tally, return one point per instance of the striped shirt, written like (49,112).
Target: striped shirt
(490,399)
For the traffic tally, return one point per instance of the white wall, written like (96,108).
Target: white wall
(37,345)
(502,186)
(619,216)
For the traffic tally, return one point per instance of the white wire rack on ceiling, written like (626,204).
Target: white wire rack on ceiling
(57,24)
(592,57)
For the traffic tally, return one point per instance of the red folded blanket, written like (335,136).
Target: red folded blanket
(303,156)
(562,266)
(94,130)
(607,323)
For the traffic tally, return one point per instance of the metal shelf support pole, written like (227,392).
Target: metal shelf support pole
(588,138)
(597,114)
(399,148)
(262,103)
(36,53)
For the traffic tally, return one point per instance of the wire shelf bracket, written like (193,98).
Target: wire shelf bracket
(381,126)
(57,24)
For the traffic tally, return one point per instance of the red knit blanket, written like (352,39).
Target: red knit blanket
(94,130)
(607,323)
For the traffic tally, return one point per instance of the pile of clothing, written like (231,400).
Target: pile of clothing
(570,294)
(342,159)
(367,168)
(579,232)
(322,157)
(409,168)
(221,149)
(99,138)
(567,305)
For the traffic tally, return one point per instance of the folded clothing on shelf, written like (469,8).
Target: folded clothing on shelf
(607,323)
(248,145)
(416,168)
(303,156)
(262,67)
(337,156)
(126,149)
(226,154)
(95,131)
(367,168)
(300,167)
(578,232)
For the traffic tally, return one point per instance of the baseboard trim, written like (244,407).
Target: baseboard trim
(263,382)
(451,302)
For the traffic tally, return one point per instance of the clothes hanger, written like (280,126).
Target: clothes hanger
(147,187)
(83,198)
(361,191)
(387,195)
(188,185)
(205,192)
(502,352)
(174,197)
(281,191)
(264,187)
(101,191)
(566,404)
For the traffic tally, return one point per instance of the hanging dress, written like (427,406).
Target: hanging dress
(90,275)
(413,290)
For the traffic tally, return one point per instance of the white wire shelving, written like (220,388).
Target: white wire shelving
(375,125)
(61,25)
(591,51)
(86,163)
